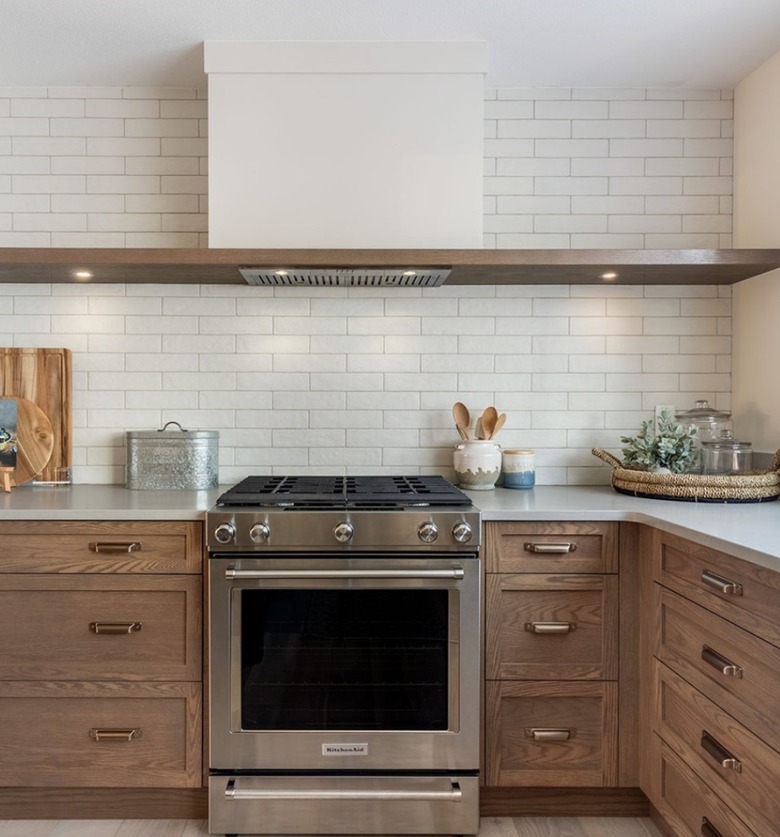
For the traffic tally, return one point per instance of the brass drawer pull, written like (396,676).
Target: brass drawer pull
(558,628)
(550,548)
(722,585)
(114,627)
(114,547)
(550,734)
(713,748)
(724,666)
(708,829)
(115,734)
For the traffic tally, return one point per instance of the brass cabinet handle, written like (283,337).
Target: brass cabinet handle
(718,661)
(553,548)
(115,734)
(727,760)
(722,585)
(114,627)
(115,546)
(550,733)
(550,627)
(708,829)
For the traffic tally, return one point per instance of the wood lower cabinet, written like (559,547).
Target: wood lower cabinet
(712,690)
(101,666)
(551,734)
(552,611)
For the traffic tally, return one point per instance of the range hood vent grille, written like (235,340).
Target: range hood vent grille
(428,277)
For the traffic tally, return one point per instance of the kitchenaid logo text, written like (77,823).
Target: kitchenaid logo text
(345,749)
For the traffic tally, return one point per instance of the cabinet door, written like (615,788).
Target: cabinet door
(100,627)
(552,627)
(551,734)
(735,669)
(551,547)
(737,765)
(121,735)
(741,592)
(687,803)
(101,546)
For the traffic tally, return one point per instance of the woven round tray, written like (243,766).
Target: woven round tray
(755,487)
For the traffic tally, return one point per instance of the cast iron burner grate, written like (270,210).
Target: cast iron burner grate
(318,492)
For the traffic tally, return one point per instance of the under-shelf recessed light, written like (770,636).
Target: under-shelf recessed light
(609,276)
(83,274)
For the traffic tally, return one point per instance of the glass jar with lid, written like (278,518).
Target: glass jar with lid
(726,455)
(711,422)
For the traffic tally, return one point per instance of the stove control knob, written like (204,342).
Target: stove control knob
(225,532)
(260,533)
(462,532)
(427,532)
(343,532)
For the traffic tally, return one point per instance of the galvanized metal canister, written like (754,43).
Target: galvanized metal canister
(187,460)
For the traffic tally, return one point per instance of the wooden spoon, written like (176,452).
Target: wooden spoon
(489,419)
(499,423)
(462,418)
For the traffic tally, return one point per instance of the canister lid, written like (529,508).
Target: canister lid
(703,412)
(726,441)
(163,434)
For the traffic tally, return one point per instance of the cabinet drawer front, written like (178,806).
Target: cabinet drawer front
(552,627)
(743,593)
(686,803)
(735,669)
(57,627)
(100,547)
(549,547)
(551,734)
(100,735)
(737,765)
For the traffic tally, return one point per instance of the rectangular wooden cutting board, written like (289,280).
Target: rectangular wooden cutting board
(43,376)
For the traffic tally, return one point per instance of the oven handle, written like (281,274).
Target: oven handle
(454,794)
(452,572)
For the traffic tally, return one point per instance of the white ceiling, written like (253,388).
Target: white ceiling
(532,43)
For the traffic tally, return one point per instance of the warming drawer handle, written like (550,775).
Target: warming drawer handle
(708,829)
(727,760)
(719,662)
(114,627)
(721,584)
(550,733)
(129,734)
(454,794)
(115,546)
(550,548)
(550,627)
(453,572)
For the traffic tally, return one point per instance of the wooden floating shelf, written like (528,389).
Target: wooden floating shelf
(469,267)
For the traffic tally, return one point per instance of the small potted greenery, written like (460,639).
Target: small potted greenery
(668,448)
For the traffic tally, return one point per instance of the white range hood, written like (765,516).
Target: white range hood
(345,145)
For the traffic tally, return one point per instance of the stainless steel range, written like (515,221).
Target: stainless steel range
(344,629)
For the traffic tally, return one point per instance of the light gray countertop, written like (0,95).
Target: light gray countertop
(747,530)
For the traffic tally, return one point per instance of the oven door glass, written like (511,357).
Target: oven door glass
(345,659)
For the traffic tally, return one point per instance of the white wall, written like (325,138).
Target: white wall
(362,380)
(756,159)
(756,402)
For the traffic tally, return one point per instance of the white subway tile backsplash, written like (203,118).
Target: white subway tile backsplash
(571,148)
(684,128)
(609,129)
(361,380)
(123,108)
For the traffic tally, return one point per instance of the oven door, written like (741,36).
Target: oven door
(342,664)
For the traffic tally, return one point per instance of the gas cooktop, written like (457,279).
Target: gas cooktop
(323,492)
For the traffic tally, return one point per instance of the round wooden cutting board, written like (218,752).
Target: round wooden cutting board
(35,441)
